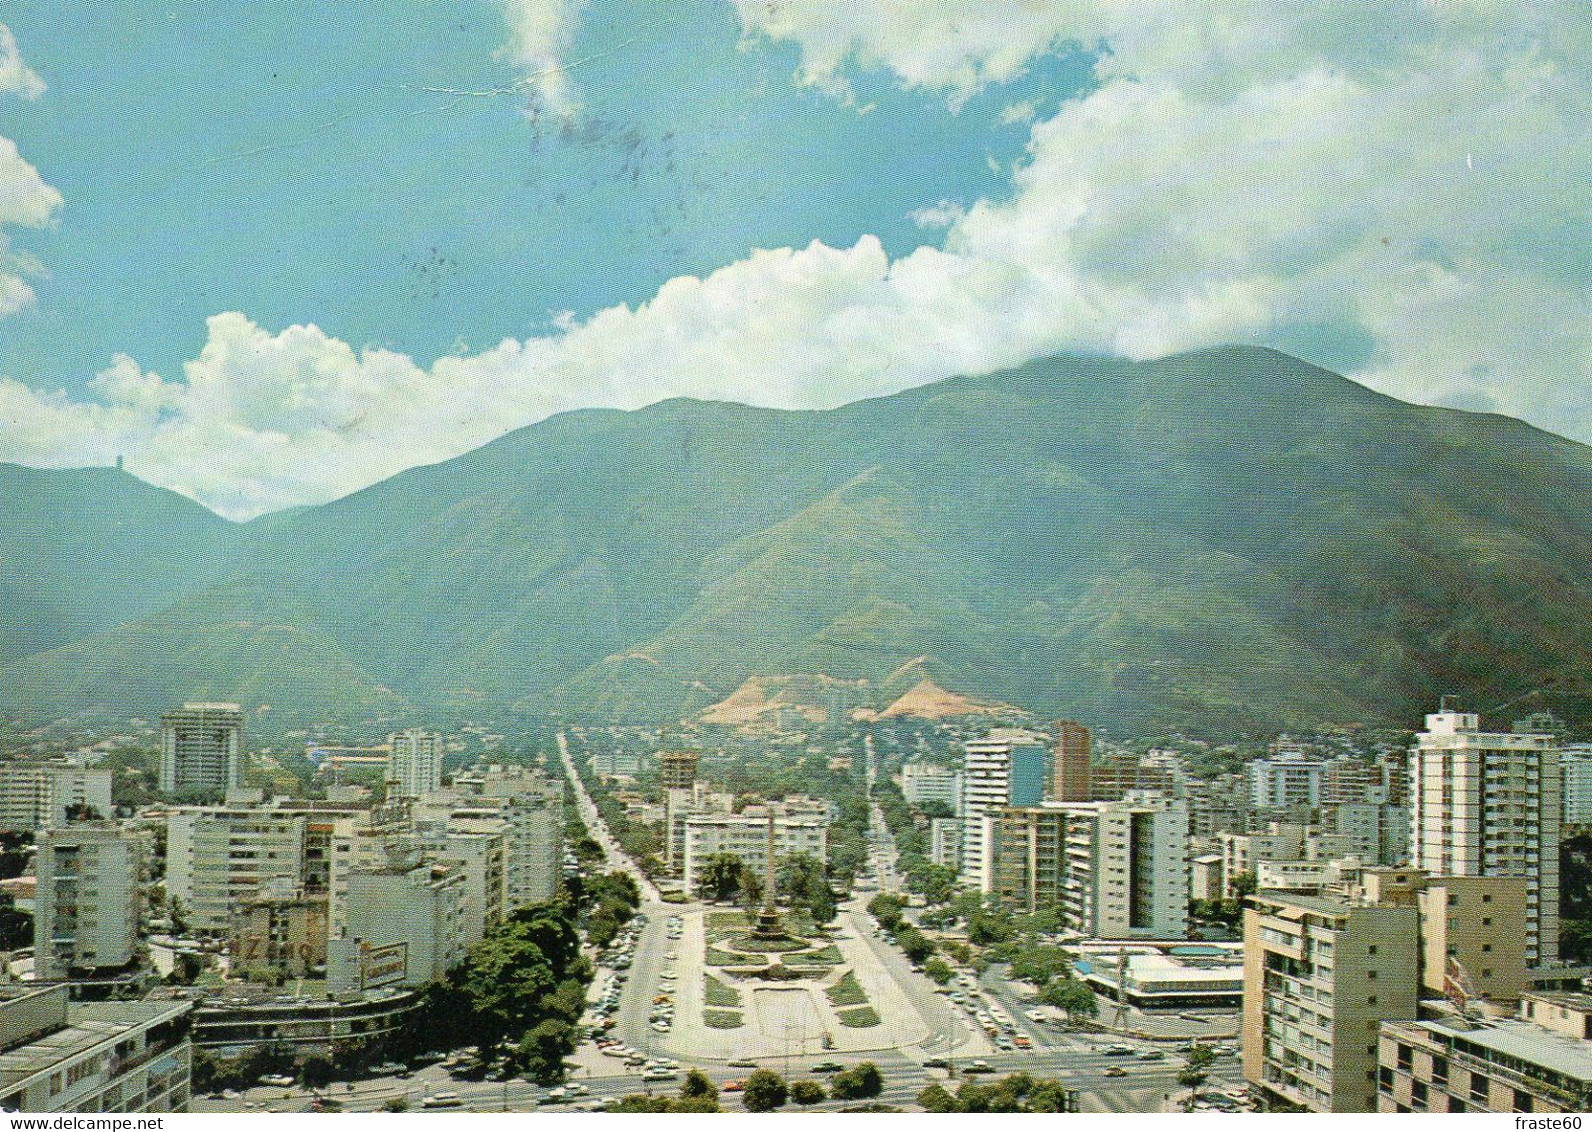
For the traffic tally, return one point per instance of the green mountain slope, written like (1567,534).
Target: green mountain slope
(85,549)
(1218,539)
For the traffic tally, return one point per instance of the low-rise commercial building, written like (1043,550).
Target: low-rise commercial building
(83,1057)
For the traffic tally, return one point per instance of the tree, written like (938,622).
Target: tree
(542,1050)
(1195,1071)
(765,1091)
(698,1086)
(807,1092)
(721,877)
(918,947)
(887,910)
(1039,965)
(938,970)
(316,1071)
(1243,884)
(858,1083)
(1073,996)
(934,1098)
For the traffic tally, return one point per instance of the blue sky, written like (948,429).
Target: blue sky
(273,252)
(287,160)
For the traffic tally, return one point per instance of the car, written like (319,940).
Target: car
(658,1075)
(979,1066)
(445,1099)
(281,1080)
(1116,1071)
(1224,1051)
(936,1063)
(1023,1041)
(1036,1015)
(552,1096)
(732,1086)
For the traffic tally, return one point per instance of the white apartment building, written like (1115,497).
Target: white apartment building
(945,842)
(746,836)
(1576,761)
(85,915)
(1127,869)
(216,857)
(922,783)
(1488,804)
(1286,779)
(85,1057)
(1285,841)
(1009,767)
(415,762)
(530,807)
(38,795)
(201,748)
(412,901)
(476,847)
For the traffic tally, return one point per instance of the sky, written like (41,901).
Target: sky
(274,252)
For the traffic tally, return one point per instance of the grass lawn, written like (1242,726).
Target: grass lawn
(858,1017)
(720,958)
(818,957)
(729,1019)
(716,993)
(847,992)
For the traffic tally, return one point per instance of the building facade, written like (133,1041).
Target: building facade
(1007,768)
(86,903)
(201,749)
(1488,804)
(85,1057)
(745,835)
(1320,976)
(415,762)
(1456,1064)
(41,795)
(218,856)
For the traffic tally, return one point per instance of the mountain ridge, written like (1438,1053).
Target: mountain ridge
(1226,538)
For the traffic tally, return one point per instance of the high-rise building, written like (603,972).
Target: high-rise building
(945,842)
(1320,976)
(1118,870)
(201,749)
(1488,804)
(1009,767)
(678,769)
(1286,779)
(1576,764)
(62,1056)
(217,857)
(415,763)
(1074,750)
(85,916)
(40,795)
(1471,937)
(922,783)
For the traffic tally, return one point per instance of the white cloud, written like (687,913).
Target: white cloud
(16,77)
(1414,175)
(25,200)
(541,34)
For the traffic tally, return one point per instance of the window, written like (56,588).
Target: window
(1371,975)
(1371,950)
(1486,898)
(1439,1070)
(1370,1000)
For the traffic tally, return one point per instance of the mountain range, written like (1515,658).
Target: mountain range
(1226,539)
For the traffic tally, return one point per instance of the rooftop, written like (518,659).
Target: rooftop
(1520,1040)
